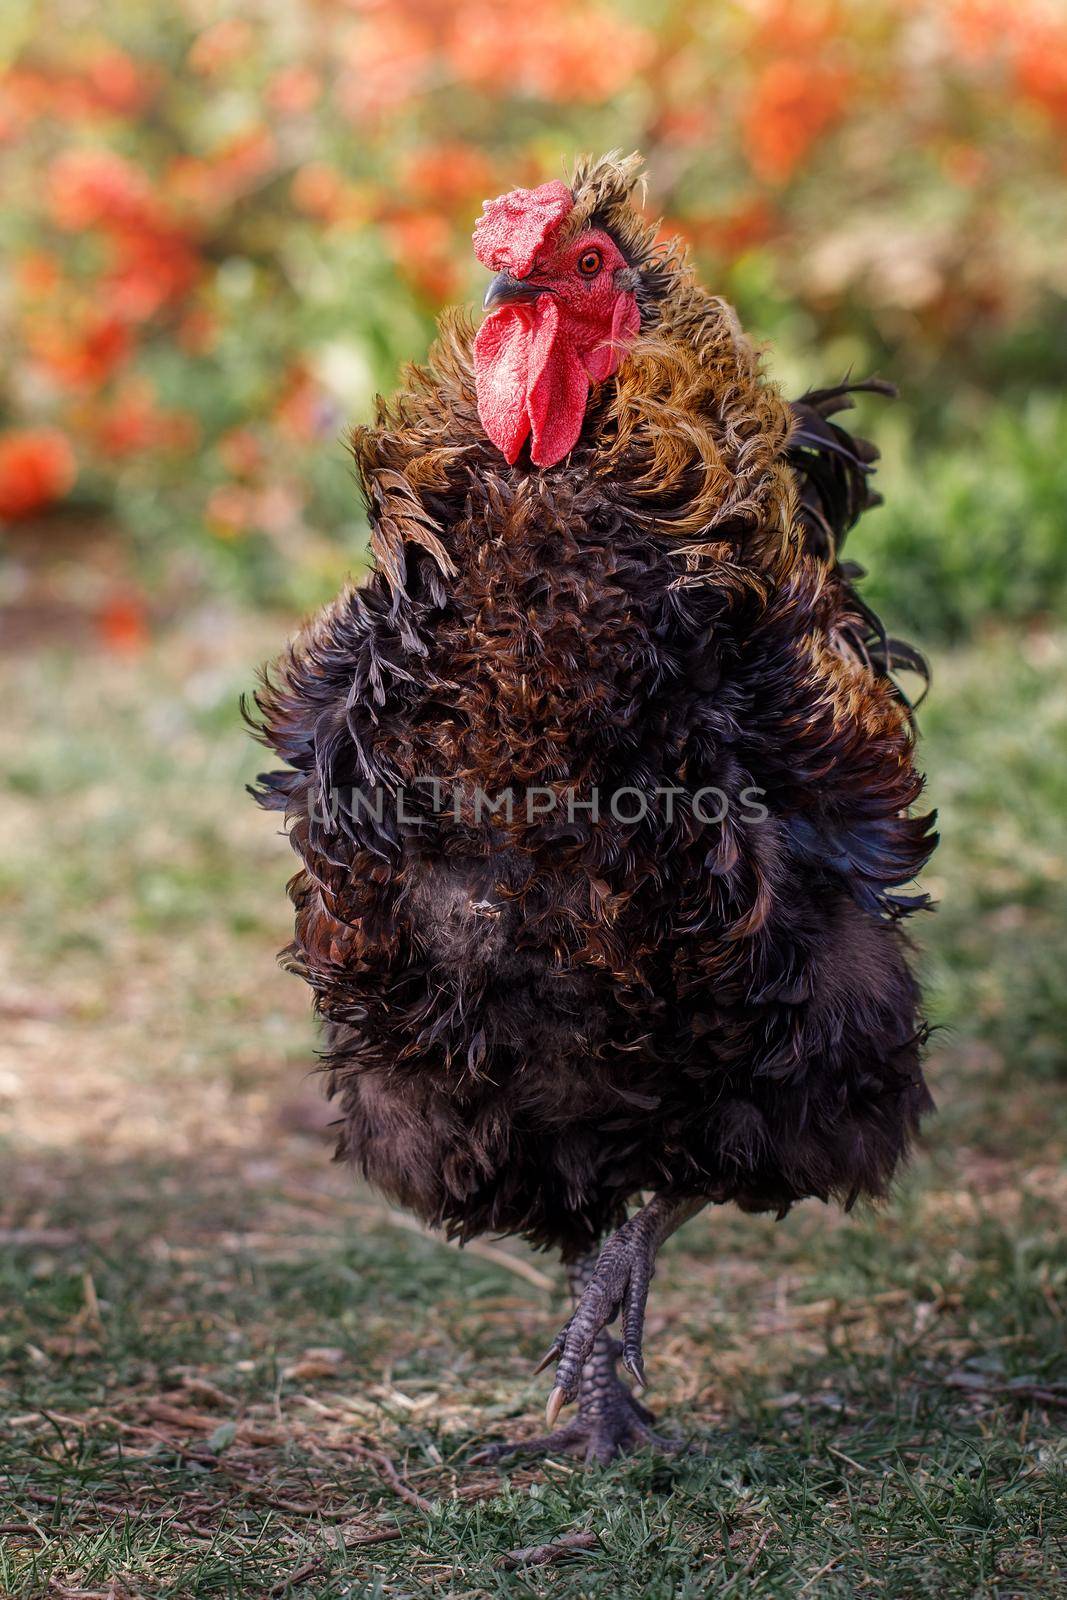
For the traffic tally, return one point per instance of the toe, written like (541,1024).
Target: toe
(593,1313)
(633,1326)
(562,1441)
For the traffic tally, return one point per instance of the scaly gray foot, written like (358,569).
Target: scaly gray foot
(610,1421)
(619,1282)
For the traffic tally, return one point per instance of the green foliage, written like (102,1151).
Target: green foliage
(975,527)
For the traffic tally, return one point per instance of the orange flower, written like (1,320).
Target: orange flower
(122,623)
(318,190)
(244,159)
(686,124)
(221,46)
(448,176)
(734,232)
(423,250)
(786,28)
(549,49)
(793,104)
(89,188)
(37,468)
(388,63)
(1041,68)
(38,273)
(188,185)
(116,83)
(109,83)
(964,164)
(17,105)
(155,262)
(132,423)
(980,27)
(230,510)
(196,184)
(152,269)
(294,90)
(81,352)
(179,432)
(241,452)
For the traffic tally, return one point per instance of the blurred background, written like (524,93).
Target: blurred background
(225,226)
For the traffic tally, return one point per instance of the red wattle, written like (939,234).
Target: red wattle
(532,367)
(556,391)
(625,326)
(501,368)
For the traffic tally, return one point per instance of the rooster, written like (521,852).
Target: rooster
(602,787)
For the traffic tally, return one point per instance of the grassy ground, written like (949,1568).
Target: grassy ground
(223,1373)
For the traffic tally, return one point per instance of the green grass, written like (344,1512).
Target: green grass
(972,528)
(211,1341)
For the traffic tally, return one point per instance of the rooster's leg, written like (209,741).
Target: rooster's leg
(618,1283)
(609,1422)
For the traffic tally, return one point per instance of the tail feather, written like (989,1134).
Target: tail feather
(834,469)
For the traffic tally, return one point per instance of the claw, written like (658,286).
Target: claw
(547,1359)
(556,1401)
(635,1367)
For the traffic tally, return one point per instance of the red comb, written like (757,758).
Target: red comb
(514,227)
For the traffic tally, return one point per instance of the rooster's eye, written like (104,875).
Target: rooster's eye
(589,263)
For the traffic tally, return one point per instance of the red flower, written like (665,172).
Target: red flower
(558,51)
(37,273)
(318,190)
(93,188)
(155,261)
(123,624)
(293,90)
(117,85)
(37,467)
(81,353)
(1041,68)
(447,176)
(132,422)
(422,247)
(152,270)
(794,102)
(223,45)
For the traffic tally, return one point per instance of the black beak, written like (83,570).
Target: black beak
(508,291)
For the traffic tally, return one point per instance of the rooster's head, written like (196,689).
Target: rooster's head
(570,289)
